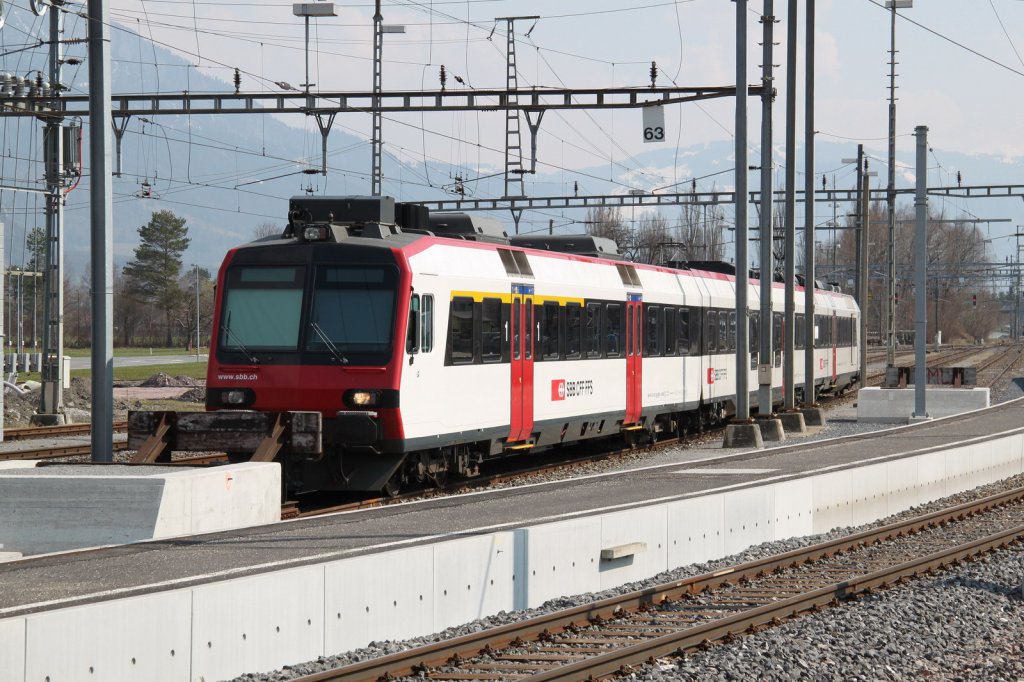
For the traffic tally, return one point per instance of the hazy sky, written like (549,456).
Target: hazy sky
(960,72)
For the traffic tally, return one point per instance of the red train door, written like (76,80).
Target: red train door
(634,358)
(521,329)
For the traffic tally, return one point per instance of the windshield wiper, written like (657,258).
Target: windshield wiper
(227,330)
(327,342)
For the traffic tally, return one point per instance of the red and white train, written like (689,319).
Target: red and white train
(432,344)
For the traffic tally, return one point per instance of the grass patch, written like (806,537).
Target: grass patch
(132,352)
(196,370)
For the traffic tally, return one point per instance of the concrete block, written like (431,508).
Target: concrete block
(138,638)
(10,556)
(896,405)
(694,532)
(645,525)
(771,430)
(12,649)
(260,622)
(560,559)
(832,494)
(473,577)
(52,509)
(813,416)
(378,597)
(793,422)
(749,514)
(743,436)
(794,514)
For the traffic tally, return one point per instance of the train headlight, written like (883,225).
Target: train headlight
(362,398)
(315,234)
(234,397)
(230,397)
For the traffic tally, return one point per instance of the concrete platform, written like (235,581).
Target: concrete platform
(55,508)
(253,600)
(896,405)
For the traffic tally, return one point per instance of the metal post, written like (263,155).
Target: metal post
(52,393)
(1016,293)
(742,197)
(307,55)
(890,328)
(197,313)
(809,396)
(377,139)
(789,327)
(921,273)
(101,233)
(865,240)
(764,389)
(858,293)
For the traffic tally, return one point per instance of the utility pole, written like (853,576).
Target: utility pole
(766,361)
(51,403)
(101,236)
(921,274)
(742,199)
(809,396)
(514,186)
(890,329)
(789,349)
(862,274)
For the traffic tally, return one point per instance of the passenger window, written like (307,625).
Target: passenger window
(653,327)
(412,334)
(573,331)
(755,331)
(462,331)
(732,332)
(723,331)
(711,331)
(671,329)
(613,326)
(427,323)
(592,333)
(549,336)
(490,330)
(684,331)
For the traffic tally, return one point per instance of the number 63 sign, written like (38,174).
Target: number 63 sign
(654,124)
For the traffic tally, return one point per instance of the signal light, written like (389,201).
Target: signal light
(974,300)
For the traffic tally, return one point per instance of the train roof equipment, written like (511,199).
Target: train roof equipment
(578,244)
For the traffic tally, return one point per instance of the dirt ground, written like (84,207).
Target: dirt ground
(160,391)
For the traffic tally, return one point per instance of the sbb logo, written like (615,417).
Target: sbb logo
(558,389)
(711,375)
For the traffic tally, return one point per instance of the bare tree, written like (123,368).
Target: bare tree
(266,229)
(651,238)
(607,222)
(699,234)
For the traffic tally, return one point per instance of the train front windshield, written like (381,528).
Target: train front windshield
(345,315)
(353,311)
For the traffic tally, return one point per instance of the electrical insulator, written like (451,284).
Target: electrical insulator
(238,80)
(823,186)
(443,76)
(654,73)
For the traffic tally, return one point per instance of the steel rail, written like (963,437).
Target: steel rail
(419,660)
(32,432)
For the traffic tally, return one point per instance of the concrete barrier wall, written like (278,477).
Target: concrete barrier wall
(220,630)
(42,512)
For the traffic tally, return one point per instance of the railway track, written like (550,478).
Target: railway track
(620,634)
(34,432)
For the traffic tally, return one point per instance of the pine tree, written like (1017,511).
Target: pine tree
(152,276)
